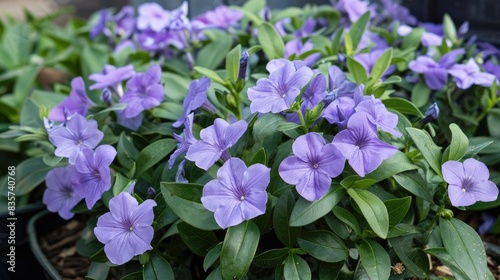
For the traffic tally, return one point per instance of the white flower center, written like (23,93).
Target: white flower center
(71,194)
(131,228)
(315,166)
(464,190)
(242,198)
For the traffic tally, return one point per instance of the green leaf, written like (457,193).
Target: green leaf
(157,268)
(210,74)
(347,218)
(459,143)
(187,191)
(265,133)
(420,94)
(476,146)
(357,70)
(24,84)
(212,256)
(281,217)
(98,270)
(375,259)
(121,183)
(323,245)
(427,148)
(382,64)
(127,152)
(198,241)
(29,174)
(465,247)
(329,271)
(413,182)
(336,40)
(239,249)
(259,157)
(402,105)
(450,31)
(296,268)
(153,154)
(373,210)
(305,212)
(397,209)
(447,260)
(493,119)
(271,41)
(358,28)
(233,63)
(213,54)
(271,258)
(414,259)
(191,212)
(287,13)
(412,40)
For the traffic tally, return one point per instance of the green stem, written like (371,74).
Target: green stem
(303,122)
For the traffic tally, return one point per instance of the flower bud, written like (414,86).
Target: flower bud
(243,65)
(431,114)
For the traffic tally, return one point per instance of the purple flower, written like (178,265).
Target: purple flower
(94,176)
(435,73)
(195,98)
(354,8)
(238,193)
(221,17)
(339,83)
(368,60)
(60,196)
(315,92)
(306,29)
(488,221)
(111,77)
(76,103)
(360,145)
(178,18)
(396,12)
(126,230)
(465,75)
(296,47)
(125,22)
(339,111)
(152,16)
(100,26)
(468,182)
(379,116)
(76,135)
(144,91)
(313,165)
(183,142)
(215,142)
(131,123)
(277,93)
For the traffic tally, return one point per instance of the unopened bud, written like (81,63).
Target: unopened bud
(106,96)
(243,65)
(431,114)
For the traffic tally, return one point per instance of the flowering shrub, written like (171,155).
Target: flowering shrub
(274,144)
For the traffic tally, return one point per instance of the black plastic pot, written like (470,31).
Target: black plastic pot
(26,265)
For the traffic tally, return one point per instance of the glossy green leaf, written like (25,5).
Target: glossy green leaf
(281,217)
(420,94)
(271,41)
(157,268)
(373,210)
(329,271)
(212,256)
(210,74)
(382,64)
(323,245)
(375,259)
(402,105)
(127,153)
(121,184)
(413,182)
(347,217)
(450,31)
(153,153)
(233,63)
(397,209)
(296,268)
(29,174)
(459,143)
(305,212)
(271,258)
(259,157)
(358,28)
(238,250)
(213,54)
(412,40)
(187,191)
(198,241)
(465,247)
(427,148)
(357,70)
(447,260)
(414,259)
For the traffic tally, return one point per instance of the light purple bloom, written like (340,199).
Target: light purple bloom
(296,47)
(379,116)
(312,167)
(339,83)
(100,26)
(360,145)
(368,60)
(221,17)
(76,103)
(111,77)
(315,92)
(306,29)
(466,75)
(215,142)
(183,142)
(126,230)
(238,193)
(144,91)
(468,182)
(339,111)
(396,12)
(76,135)
(94,177)
(132,123)
(60,196)
(125,22)
(195,98)
(178,18)
(373,41)
(354,8)
(152,16)
(435,73)
(278,93)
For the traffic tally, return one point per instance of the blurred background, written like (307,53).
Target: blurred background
(483,15)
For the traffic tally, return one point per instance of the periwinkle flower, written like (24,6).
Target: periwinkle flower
(76,135)
(94,177)
(76,103)
(368,60)
(215,142)
(315,92)
(379,116)
(466,75)
(126,230)
(195,98)
(60,196)
(238,194)
(339,111)
(144,91)
(360,146)
(100,26)
(468,182)
(312,166)
(132,123)
(221,17)
(124,22)
(338,83)
(183,142)
(152,16)
(354,8)
(278,93)
(298,48)
(111,77)
(178,18)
